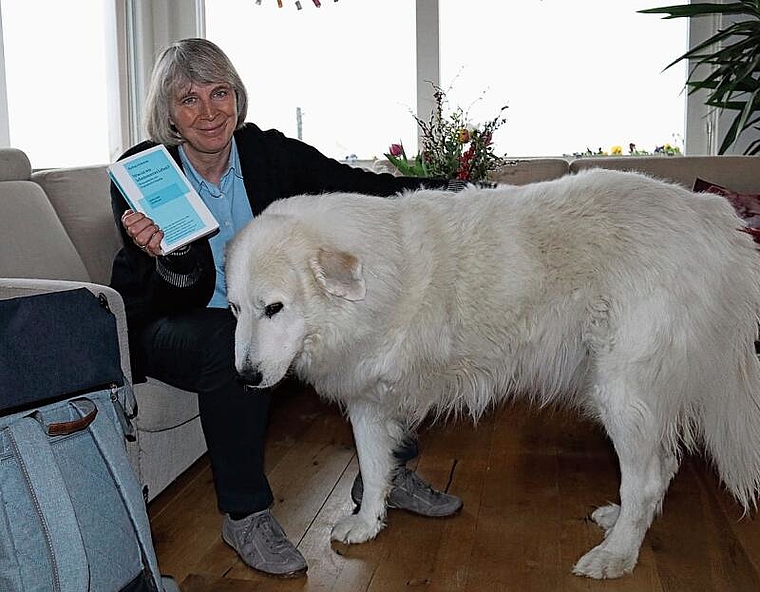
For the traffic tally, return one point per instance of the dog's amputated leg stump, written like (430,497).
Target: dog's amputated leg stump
(606,516)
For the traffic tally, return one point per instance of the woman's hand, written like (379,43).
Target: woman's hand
(143,231)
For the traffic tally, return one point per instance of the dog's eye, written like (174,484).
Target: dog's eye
(235,309)
(272,309)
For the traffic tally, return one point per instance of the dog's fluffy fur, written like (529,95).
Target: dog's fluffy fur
(634,300)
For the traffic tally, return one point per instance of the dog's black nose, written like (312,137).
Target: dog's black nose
(250,377)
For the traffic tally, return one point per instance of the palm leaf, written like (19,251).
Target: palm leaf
(732,56)
(702,9)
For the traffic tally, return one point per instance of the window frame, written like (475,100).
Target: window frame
(143,28)
(5,134)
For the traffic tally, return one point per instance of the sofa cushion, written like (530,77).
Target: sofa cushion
(162,407)
(14,165)
(34,242)
(520,172)
(82,201)
(739,172)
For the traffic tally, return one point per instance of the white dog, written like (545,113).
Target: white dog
(633,300)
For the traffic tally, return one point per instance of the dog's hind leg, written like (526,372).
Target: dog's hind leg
(375,436)
(645,472)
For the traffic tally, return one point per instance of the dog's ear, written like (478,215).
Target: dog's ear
(339,274)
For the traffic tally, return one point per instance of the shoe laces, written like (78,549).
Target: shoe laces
(265,524)
(409,481)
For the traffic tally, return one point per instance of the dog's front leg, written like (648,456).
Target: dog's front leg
(374,445)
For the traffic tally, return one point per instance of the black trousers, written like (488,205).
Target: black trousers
(195,352)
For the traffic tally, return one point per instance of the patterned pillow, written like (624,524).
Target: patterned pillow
(747,205)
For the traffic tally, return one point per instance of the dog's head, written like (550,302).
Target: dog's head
(280,281)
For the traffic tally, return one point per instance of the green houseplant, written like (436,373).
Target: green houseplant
(452,147)
(733,58)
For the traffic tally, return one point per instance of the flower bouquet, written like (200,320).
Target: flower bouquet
(452,147)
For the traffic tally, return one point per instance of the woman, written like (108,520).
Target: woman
(181,331)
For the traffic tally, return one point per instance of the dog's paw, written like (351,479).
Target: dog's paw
(601,564)
(354,529)
(606,516)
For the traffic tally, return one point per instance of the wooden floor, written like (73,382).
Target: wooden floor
(528,479)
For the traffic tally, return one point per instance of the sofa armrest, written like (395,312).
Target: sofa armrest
(17,287)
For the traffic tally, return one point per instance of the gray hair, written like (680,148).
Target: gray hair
(185,62)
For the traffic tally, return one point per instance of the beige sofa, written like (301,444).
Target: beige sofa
(57,230)
(737,173)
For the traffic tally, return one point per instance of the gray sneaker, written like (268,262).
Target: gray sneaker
(263,545)
(414,495)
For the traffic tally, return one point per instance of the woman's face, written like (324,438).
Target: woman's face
(206,117)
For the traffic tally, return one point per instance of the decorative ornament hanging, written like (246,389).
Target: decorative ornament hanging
(317,3)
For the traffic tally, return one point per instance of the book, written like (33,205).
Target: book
(153,183)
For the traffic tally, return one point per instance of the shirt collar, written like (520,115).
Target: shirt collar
(233,167)
(234,162)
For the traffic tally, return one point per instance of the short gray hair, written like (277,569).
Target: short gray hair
(185,62)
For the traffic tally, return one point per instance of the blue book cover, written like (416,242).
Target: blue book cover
(154,184)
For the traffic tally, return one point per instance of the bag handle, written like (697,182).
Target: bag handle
(65,428)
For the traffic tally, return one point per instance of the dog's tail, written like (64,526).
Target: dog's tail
(731,427)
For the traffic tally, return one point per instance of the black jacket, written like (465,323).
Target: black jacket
(273,167)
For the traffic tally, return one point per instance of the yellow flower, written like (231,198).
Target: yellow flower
(464,135)
(616,150)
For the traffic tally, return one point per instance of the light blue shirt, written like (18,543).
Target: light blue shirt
(229,204)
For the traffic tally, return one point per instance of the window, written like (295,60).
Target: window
(56,79)
(343,77)
(575,75)
(349,67)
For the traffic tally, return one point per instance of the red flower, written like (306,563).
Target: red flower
(396,150)
(465,164)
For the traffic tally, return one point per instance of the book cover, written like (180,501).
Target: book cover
(154,184)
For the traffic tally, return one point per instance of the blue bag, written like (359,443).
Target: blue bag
(72,514)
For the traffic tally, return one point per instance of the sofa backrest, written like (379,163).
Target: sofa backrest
(520,172)
(80,196)
(737,173)
(34,242)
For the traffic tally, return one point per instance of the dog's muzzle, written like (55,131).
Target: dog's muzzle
(250,377)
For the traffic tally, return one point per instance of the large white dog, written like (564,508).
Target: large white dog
(633,300)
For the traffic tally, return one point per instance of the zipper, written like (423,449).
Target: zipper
(126,426)
(38,508)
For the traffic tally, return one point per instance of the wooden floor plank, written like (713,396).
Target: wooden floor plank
(529,479)
(414,543)
(733,564)
(186,532)
(170,496)
(333,566)
(304,479)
